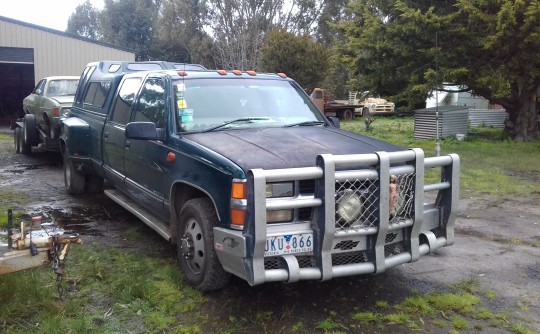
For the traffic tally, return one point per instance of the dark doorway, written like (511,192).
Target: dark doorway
(17,82)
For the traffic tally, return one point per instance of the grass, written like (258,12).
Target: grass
(490,164)
(107,291)
(456,311)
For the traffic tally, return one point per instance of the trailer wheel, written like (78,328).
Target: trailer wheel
(17,140)
(197,257)
(30,132)
(73,180)
(21,146)
(347,114)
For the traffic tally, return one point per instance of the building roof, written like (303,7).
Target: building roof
(65,34)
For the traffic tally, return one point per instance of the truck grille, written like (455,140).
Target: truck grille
(401,208)
(368,192)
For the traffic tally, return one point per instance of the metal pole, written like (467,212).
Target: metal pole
(437,141)
(10,229)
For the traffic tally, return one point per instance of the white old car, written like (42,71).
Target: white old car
(49,101)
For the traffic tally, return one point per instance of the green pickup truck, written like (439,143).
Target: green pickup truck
(247,177)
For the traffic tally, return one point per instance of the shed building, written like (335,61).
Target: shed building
(29,52)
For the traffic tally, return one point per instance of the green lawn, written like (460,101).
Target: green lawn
(490,164)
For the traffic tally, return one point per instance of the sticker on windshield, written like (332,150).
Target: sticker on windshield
(180,87)
(181,103)
(186,115)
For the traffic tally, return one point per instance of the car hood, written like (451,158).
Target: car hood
(65,99)
(271,148)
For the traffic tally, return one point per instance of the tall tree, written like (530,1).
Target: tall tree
(239,26)
(300,57)
(180,34)
(84,21)
(130,23)
(407,48)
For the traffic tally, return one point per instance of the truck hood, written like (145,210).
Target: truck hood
(271,148)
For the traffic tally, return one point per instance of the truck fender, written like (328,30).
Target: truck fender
(77,130)
(181,192)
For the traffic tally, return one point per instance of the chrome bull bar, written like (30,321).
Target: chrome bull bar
(423,228)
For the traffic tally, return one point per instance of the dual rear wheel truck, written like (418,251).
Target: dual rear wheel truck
(248,177)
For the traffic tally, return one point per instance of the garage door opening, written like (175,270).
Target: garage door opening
(17,83)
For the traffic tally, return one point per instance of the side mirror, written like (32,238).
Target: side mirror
(142,130)
(334,121)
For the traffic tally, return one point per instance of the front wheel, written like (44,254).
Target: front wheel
(196,255)
(74,181)
(30,132)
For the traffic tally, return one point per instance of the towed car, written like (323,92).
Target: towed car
(50,101)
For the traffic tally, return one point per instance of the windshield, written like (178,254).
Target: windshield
(217,104)
(62,87)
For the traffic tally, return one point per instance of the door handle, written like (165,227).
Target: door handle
(105,135)
(127,144)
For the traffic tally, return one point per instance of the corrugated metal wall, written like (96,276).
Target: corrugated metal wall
(494,118)
(452,120)
(54,52)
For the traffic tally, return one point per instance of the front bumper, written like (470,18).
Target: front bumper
(375,242)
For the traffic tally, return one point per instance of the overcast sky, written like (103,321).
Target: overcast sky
(52,14)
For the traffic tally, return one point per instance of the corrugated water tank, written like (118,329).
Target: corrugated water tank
(452,120)
(494,118)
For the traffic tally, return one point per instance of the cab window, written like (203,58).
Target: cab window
(151,104)
(123,102)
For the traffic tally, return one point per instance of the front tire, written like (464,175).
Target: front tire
(30,132)
(197,257)
(73,180)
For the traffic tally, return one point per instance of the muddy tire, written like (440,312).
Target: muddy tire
(196,255)
(73,180)
(30,132)
(23,147)
(17,139)
(94,184)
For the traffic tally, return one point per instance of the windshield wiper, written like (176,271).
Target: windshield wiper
(238,120)
(306,123)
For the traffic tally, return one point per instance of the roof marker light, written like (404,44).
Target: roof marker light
(222,72)
(182,73)
(237,72)
(253,73)
(283,75)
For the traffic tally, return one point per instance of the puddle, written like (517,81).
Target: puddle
(70,221)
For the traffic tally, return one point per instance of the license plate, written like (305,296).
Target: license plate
(288,244)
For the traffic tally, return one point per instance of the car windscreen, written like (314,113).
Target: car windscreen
(206,104)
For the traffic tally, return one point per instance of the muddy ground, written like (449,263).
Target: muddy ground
(497,244)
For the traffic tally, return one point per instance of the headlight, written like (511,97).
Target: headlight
(284,189)
(349,206)
(66,112)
